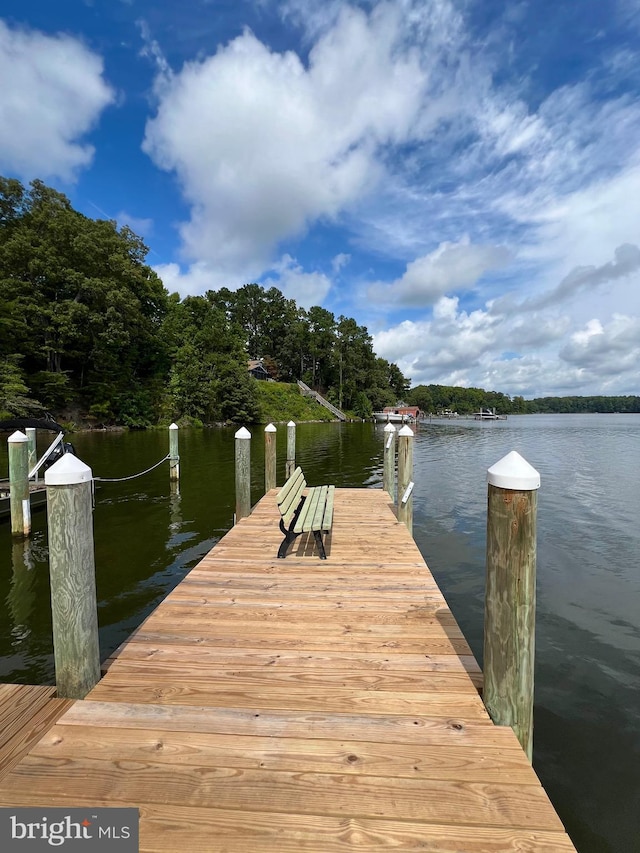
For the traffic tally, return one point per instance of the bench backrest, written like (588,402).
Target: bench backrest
(289,495)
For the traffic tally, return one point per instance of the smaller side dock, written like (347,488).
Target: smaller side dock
(298,706)
(27,712)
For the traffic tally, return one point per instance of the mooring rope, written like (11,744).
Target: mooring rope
(133,476)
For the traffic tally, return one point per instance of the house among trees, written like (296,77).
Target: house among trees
(257,369)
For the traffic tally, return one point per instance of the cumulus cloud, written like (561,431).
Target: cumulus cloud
(196,280)
(53,94)
(606,350)
(263,144)
(307,288)
(449,269)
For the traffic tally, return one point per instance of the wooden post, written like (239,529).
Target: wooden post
(510,596)
(174,456)
(19,484)
(33,453)
(269,457)
(243,473)
(389,471)
(291,449)
(405,477)
(73,583)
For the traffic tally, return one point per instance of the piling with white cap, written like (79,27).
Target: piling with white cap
(174,455)
(510,595)
(19,502)
(291,449)
(389,469)
(269,457)
(243,473)
(74,606)
(405,477)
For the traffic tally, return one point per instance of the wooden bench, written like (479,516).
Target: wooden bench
(310,513)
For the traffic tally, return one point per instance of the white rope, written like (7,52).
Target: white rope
(133,476)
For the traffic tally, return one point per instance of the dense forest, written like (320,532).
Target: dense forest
(89,333)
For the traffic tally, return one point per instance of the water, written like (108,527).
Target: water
(587,712)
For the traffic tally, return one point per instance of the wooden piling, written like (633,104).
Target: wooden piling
(405,477)
(19,484)
(510,596)
(174,455)
(389,470)
(269,457)
(243,473)
(291,449)
(72,574)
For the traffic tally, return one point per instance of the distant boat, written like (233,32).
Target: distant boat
(398,415)
(488,415)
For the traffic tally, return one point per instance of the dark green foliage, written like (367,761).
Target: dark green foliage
(78,303)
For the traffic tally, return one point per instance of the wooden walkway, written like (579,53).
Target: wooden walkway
(298,706)
(26,713)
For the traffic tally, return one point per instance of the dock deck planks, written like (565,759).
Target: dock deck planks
(298,706)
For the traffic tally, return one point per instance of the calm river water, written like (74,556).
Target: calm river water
(587,713)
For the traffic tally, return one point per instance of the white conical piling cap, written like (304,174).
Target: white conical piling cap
(406,430)
(270,428)
(173,426)
(291,423)
(17,437)
(513,472)
(67,471)
(389,428)
(243,432)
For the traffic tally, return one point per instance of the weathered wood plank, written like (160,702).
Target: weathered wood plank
(201,690)
(428,800)
(194,748)
(388,728)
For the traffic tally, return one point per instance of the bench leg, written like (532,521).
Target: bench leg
(318,537)
(289,536)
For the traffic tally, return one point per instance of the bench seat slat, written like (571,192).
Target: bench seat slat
(289,485)
(327,520)
(292,498)
(316,523)
(303,524)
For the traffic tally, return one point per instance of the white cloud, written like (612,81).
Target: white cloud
(610,351)
(307,288)
(264,145)
(449,269)
(339,261)
(198,279)
(53,93)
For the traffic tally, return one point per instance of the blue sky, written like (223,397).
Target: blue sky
(463,177)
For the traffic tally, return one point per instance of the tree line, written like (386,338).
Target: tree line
(466,401)
(87,329)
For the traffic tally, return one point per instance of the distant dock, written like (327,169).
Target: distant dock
(297,706)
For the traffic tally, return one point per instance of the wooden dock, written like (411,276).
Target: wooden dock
(298,706)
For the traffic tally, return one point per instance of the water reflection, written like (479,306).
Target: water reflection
(21,599)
